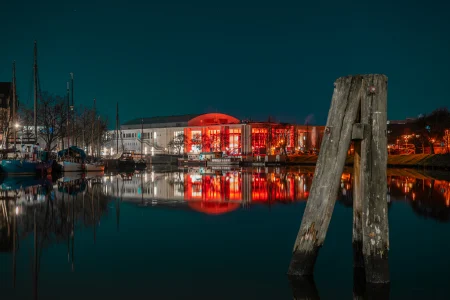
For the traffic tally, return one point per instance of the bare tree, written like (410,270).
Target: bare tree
(177,143)
(5,126)
(101,133)
(224,139)
(282,138)
(196,141)
(26,120)
(52,118)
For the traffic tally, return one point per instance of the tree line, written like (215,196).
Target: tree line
(57,125)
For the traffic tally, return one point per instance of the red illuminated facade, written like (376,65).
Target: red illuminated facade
(217,132)
(223,133)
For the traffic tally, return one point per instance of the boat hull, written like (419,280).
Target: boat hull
(94,168)
(18,167)
(68,166)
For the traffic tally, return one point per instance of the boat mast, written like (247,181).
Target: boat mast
(93,127)
(117,127)
(72,109)
(14,104)
(99,148)
(142,137)
(35,73)
(68,117)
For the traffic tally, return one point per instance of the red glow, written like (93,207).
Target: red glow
(213,208)
(213,119)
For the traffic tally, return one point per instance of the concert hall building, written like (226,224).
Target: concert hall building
(213,132)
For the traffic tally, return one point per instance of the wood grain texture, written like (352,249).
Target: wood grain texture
(373,168)
(330,165)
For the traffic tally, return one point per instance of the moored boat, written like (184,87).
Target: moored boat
(18,167)
(72,159)
(68,166)
(94,167)
(24,167)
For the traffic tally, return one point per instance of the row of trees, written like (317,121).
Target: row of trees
(56,125)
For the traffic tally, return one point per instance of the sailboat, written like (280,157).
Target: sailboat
(17,165)
(72,158)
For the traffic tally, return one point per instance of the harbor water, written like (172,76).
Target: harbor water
(207,234)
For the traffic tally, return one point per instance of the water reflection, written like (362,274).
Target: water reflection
(217,192)
(52,211)
(48,211)
(212,191)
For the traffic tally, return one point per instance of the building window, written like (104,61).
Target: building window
(196,141)
(235,141)
(259,140)
(214,140)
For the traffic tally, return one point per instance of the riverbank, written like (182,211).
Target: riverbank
(437,161)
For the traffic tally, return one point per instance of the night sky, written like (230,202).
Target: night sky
(250,59)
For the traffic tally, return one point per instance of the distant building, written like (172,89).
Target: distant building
(213,132)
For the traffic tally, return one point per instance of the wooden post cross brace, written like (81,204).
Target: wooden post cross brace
(358,114)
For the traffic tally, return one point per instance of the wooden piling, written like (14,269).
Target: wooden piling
(304,288)
(357,239)
(373,170)
(358,112)
(330,165)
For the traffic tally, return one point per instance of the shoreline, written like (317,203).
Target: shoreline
(422,161)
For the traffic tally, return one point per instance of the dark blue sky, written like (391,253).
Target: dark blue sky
(245,58)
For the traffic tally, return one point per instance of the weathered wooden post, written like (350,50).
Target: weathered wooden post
(330,164)
(304,288)
(358,112)
(373,176)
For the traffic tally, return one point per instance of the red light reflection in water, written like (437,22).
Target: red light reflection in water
(213,208)
(221,193)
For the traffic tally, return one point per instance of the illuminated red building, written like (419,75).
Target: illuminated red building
(217,132)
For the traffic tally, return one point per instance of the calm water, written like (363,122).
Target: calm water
(205,234)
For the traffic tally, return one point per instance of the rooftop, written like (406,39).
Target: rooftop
(162,119)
